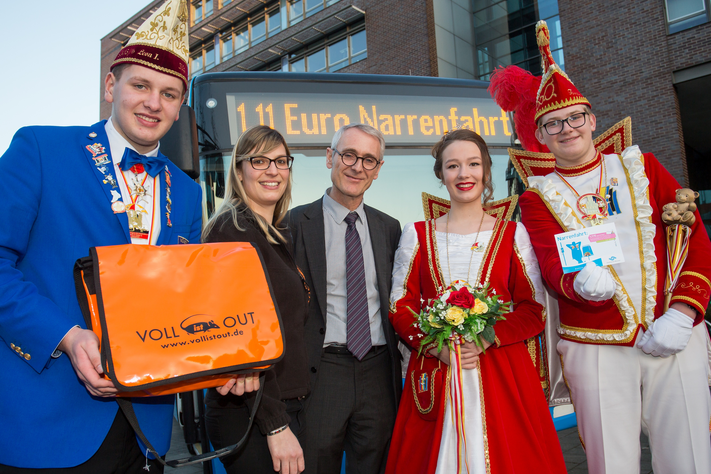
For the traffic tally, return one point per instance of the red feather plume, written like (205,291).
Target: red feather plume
(515,89)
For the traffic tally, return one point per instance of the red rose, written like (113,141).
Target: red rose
(461,298)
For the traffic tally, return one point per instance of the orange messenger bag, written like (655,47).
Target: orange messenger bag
(179,318)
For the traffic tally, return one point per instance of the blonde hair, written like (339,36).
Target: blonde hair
(464,134)
(254,142)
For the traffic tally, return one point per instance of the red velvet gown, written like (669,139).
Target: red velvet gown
(518,432)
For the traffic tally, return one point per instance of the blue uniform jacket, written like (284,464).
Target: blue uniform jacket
(54,206)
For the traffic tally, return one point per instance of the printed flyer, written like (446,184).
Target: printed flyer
(598,244)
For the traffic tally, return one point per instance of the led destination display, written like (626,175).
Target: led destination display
(311,119)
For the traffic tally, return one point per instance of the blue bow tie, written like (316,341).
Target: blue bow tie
(152,164)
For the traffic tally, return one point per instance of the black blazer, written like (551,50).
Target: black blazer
(288,379)
(307,228)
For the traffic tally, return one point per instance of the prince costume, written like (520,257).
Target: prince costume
(62,192)
(629,363)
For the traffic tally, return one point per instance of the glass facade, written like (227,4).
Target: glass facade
(331,54)
(505,34)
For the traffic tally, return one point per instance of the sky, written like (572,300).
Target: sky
(52,61)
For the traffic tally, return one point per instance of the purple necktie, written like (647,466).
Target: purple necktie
(358,320)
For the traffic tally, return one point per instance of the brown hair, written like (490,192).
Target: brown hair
(254,142)
(464,134)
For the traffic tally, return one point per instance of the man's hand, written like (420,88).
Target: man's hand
(594,283)
(667,335)
(82,348)
(287,455)
(240,384)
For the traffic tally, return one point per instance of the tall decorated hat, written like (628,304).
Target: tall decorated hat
(161,42)
(556,91)
(530,97)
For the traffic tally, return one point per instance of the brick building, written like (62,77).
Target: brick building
(649,59)
(414,37)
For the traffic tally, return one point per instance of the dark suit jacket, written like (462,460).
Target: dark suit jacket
(307,227)
(55,206)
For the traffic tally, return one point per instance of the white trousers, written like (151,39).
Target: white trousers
(618,390)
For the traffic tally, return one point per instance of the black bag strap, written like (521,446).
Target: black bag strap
(127,408)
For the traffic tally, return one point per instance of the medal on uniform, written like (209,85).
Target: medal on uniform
(592,206)
(423,383)
(135,212)
(96,148)
(109,179)
(118,207)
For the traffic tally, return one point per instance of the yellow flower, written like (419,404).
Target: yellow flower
(430,318)
(455,316)
(479,307)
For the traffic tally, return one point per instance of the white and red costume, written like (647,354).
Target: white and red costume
(615,387)
(508,426)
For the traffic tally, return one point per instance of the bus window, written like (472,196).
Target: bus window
(398,189)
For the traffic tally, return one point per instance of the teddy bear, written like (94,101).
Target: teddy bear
(685,198)
(681,211)
(670,214)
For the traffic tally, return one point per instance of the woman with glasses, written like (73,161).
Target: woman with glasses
(257,196)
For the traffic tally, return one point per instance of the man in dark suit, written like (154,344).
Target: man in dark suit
(346,251)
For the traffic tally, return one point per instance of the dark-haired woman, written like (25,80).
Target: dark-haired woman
(257,196)
(507,425)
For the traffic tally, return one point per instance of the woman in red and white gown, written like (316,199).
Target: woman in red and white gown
(507,423)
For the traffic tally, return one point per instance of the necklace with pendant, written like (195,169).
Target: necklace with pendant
(593,206)
(475,247)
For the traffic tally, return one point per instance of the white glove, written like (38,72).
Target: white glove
(667,335)
(594,283)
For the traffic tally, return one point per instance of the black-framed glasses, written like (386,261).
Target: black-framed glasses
(349,159)
(262,162)
(554,127)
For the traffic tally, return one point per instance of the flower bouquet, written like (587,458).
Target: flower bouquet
(461,312)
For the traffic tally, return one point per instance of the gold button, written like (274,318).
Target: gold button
(28,357)
(18,349)
(12,345)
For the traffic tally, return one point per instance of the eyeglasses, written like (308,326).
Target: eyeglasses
(263,163)
(554,127)
(350,159)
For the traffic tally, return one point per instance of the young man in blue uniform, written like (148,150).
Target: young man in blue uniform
(64,190)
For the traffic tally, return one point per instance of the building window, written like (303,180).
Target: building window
(300,9)
(202,61)
(316,61)
(505,34)
(226,2)
(358,47)
(331,54)
(684,14)
(274,21)
(209,58)
(258,27)
(196,65)
(226,47)
(201,10)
